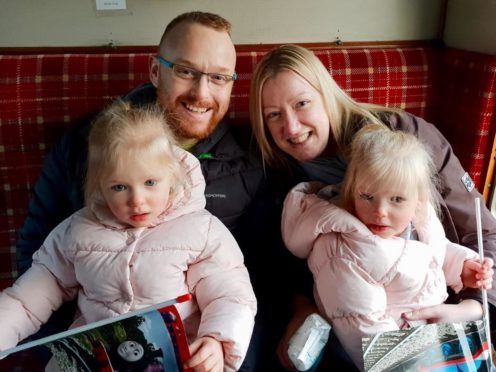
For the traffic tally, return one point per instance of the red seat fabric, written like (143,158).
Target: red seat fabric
(41,95)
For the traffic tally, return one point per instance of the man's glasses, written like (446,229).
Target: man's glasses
(188,73)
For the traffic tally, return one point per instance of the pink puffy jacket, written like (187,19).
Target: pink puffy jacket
(363,283)
(113,269)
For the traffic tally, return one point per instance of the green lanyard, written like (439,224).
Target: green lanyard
(205,155)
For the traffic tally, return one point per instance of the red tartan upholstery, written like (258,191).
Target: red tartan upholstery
(468,107)
(41,95)
(397,77)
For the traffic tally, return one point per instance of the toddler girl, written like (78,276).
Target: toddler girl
(143,237)
(378,249)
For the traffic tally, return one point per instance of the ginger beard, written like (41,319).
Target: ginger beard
(185,125)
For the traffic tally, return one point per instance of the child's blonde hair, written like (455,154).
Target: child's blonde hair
(382,158)
(123,132)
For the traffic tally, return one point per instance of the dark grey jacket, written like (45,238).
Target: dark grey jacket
(237,191)
(246,197)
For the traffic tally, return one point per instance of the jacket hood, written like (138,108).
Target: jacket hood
(309,212)
(306,215)
(185,198)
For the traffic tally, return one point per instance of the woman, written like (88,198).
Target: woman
(304,122)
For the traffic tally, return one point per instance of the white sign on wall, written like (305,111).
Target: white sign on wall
(110,4)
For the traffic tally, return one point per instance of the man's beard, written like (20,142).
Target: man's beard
(187,130)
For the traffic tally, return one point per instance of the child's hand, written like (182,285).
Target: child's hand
(447,313)
(206,355)
(477,275)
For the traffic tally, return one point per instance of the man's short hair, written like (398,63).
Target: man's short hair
(203,18)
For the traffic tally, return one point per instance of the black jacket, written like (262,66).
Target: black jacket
(246,197)
(238,191)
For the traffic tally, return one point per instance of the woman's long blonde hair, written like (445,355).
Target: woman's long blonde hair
(121,132)
(341,109)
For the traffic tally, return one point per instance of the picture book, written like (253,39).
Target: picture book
(432,347)
(150,339)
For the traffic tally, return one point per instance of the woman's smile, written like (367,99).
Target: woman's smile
(300,139)
(295,116)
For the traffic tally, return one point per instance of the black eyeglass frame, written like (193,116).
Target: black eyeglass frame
(169,64)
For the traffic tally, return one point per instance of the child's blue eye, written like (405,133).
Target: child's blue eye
(365,196)
(150,183)
(398,199)
(118,188)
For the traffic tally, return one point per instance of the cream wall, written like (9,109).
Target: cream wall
(26,23)
(471,25)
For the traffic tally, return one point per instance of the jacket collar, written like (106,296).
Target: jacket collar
(230,148)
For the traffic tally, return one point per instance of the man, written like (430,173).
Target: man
(191,77)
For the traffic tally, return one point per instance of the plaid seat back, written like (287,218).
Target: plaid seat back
(41,95)
(393,77)
(468,107)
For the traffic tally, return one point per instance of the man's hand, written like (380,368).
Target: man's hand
(477,275)
(207,355)
(464,311)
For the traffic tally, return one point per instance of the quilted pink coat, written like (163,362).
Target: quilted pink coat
(363,283)
(113,269)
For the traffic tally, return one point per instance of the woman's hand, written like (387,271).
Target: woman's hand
(446,313)
(206,355)
(477,275)
(303,307)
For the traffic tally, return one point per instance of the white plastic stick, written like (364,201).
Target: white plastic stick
(485,305)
